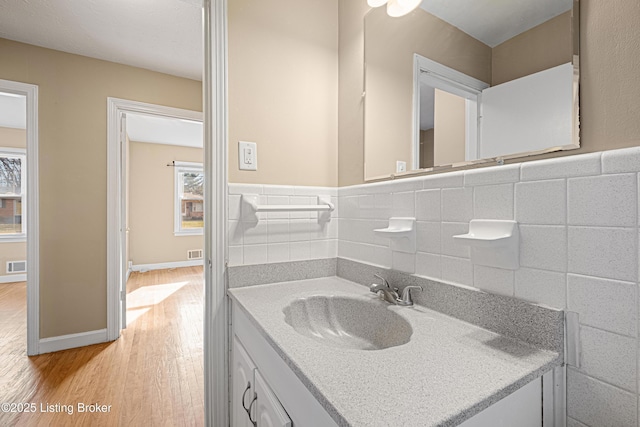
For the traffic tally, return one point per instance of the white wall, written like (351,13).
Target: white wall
(578,219)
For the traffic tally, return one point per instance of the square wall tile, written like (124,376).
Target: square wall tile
(323,249)
(235,255)
(428,237)
(383,204)
(428,205)
(543,247)
(278,231)
(403,204)
(541,202)
(611,253)
(493,280)
(605,304)
(561,167)
(606,200)
(367,206)
(493,202)
(595,403)
(609,357)
(542,287)
(450,246)
(428,265)
(278,190)
(621,161)
(255,233)
(278,252)
(457,204)
(254,254)
(457,270)
(299,251)
(404,262)
(299,230)
(349,207)
(492,175)
(301,200)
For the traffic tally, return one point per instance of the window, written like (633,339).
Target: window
(189,198)
(12,193)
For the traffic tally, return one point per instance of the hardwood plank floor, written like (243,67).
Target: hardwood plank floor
(152,375)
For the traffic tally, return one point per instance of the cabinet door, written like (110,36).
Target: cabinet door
(242,372)
(269,411)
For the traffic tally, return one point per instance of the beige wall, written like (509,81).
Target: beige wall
(389,49)
(151,206)
(449,128)
(609,92)
(13,138)
(283,90)
(14,251)
(543,47)
(73,93)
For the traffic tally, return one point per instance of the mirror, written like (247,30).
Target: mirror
(452,84)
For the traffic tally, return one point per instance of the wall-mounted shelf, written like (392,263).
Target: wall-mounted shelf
(250,205)
(494,243)
(402,232)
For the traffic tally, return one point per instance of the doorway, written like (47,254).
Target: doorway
(19,206)
(117,254)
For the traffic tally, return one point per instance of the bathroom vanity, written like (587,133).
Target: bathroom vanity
(327,352)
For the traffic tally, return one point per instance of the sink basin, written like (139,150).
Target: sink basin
(344,322)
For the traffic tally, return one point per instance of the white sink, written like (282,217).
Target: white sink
(345,322)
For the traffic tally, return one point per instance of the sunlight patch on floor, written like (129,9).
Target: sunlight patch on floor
(141,300)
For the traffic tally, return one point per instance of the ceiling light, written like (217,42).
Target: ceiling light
(397,8)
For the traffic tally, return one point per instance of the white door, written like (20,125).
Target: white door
(269,411)
(242,372)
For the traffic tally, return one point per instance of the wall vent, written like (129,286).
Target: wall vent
(194,254)
(16,266)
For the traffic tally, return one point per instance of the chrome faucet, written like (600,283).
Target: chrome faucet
(390,294)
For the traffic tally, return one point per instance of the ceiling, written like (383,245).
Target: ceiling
(13,111)
(496,21)
(159,35)
(164,130)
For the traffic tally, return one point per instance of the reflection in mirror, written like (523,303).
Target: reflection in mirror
(500,81)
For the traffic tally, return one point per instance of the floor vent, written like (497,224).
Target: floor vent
(16,266)
(194,254)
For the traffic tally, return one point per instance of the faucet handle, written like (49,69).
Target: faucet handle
(384,281)
(406,295)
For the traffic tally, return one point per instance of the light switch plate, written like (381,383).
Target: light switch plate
(247,156)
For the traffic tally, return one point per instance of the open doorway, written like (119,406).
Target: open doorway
(165,143)
(164,210)
(18,219)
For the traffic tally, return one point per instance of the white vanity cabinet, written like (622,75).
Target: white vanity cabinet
(252,399)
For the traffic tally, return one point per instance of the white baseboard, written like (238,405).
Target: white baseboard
(64,342)
(163,265)
(13,278)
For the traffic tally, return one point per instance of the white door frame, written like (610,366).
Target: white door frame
(216,304)
(116,237)
(32,208)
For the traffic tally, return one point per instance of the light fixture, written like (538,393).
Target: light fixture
(396,8)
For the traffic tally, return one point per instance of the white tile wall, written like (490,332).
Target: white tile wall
(282,236)
(579,250)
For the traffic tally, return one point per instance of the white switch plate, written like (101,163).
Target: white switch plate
(401,166)
(247,156)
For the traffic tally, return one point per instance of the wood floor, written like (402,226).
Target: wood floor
(152,375)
